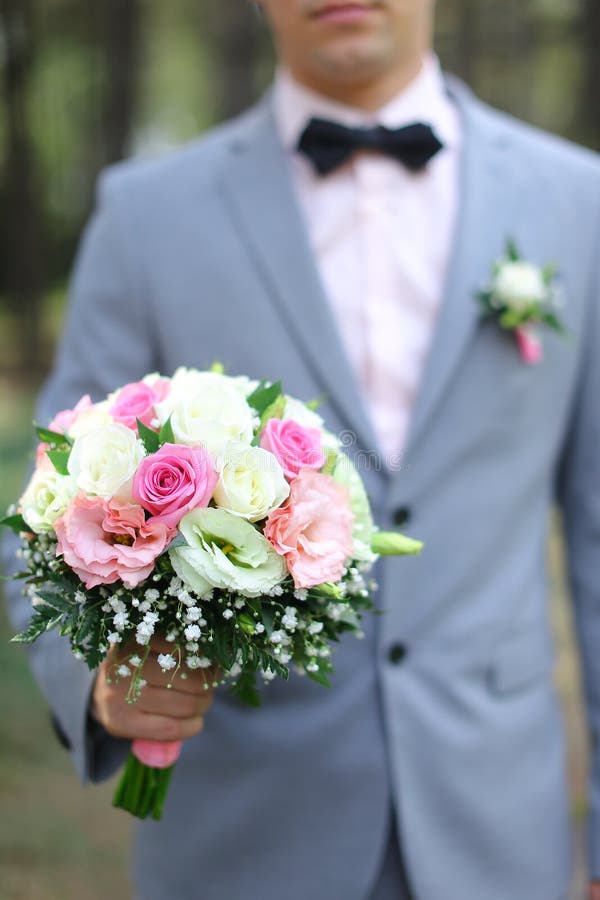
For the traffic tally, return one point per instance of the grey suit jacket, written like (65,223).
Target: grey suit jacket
(203,255)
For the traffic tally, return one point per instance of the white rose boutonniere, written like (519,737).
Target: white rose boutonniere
(523,296)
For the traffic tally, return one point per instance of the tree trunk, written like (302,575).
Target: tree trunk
(467,43)
(589,117)
(121,24)
(233,34)
(21,224)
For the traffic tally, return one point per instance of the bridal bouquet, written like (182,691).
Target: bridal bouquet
(212,511)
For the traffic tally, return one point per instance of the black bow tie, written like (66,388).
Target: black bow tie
(329,145)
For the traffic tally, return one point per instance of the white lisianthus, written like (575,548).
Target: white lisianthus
(206,408)
(518,284)
(251,482)
(46,498)
(97,416)
(362,529)
(103,461)
(224,551)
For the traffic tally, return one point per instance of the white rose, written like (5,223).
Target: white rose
(97,416)
(300,413)
(46,498)
(308,418)
(519,285)
(224,551)
(243,384)
(103,461)
(251,482)
(152,378)
(206,408)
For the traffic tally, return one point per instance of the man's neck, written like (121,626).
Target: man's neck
(370,95)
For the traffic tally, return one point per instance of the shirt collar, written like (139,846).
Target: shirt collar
(425,99)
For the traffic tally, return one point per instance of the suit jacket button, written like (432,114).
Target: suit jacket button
(402,516)
(397,653)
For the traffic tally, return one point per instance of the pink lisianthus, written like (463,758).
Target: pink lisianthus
(175,480)
(63,420)
(104,541)
(137,400)
(313,529)
(294,446)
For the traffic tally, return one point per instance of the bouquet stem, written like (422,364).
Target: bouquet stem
(144,784)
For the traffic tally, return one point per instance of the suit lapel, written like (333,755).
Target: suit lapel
(259,193)
(485,221)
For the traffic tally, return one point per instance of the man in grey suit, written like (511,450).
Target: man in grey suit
(435,765)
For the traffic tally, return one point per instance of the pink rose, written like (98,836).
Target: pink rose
(313,529)
(63,420)
(174,480)
(42,460)
(106,541)
(136,401)
(294,446)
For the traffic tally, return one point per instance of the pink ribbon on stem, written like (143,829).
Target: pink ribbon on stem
(157,754)
(530,345)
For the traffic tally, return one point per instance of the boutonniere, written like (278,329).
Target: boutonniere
(523,297)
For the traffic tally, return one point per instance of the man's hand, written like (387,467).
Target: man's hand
(594,890)
(160,713)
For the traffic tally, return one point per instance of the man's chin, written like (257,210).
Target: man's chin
(351,60)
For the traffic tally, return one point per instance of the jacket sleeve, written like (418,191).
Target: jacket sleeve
(107,342)
(579,497)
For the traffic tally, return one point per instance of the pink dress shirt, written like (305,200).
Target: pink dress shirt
(382,240)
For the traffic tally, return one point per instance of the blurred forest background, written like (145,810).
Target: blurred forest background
(84,85)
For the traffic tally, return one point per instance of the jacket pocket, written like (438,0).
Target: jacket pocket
(520,660)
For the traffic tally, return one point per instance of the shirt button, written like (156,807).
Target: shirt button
(397,653)
(402,516)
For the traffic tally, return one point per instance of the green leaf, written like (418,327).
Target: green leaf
(245,690)
(52,437)
(148,437)
(392,543)
(166,435)
(275,410)
(267,618)
(55,598)
(549,273)
(331,461)
(514,318)
(553,322)
(44,619)
(320,678)
(246,623)
(511,250)
(60,460)
(264,396)
(316,402)
(17,523)
(484,299)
